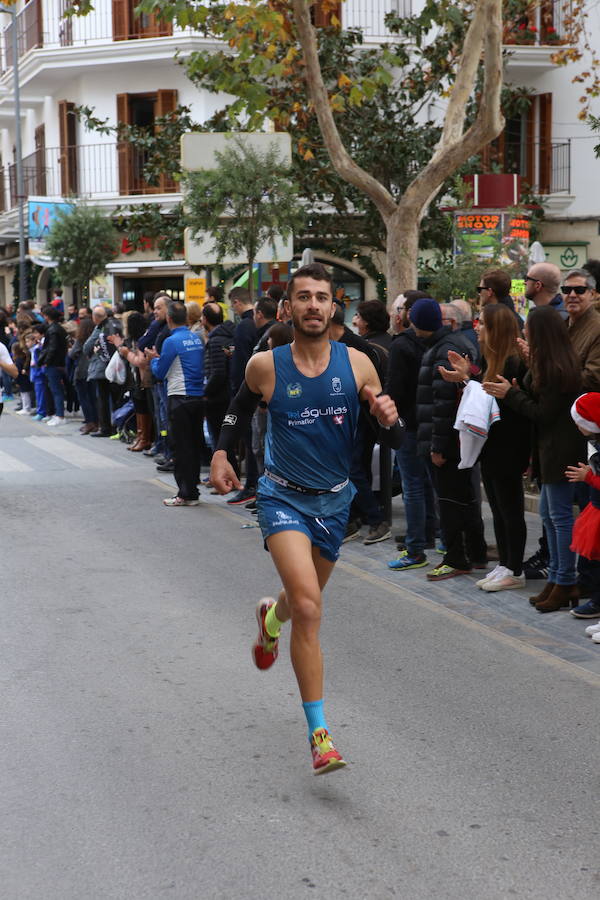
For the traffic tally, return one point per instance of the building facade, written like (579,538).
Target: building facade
(124,68)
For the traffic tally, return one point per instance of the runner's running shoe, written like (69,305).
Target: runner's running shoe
(266,648)
(325,757)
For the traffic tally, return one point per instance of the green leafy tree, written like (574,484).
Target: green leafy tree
(82,241)
(248,200)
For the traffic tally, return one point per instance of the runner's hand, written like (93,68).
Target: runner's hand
(382,407)
(222,474)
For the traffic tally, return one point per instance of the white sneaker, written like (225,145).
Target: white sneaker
(508,582)
(593,629)
(22,412)
(496,572)
(56,420)
(49,420)
(596,637)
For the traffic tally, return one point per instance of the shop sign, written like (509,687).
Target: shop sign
(195,290)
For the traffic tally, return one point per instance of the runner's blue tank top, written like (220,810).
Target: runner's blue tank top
(310,432)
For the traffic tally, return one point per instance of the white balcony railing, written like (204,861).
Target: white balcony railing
(42,24)
(85,170)
(369,15)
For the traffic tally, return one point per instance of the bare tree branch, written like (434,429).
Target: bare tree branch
(340,158)
(402,219)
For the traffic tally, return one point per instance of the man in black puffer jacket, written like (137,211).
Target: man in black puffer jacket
(438,441)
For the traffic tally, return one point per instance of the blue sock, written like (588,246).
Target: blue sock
(314,716)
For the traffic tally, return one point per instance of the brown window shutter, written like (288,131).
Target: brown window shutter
(166,102)
(124,149)
(68,148)
(40,160)
(322,18)
(545,155)
(529,173)
(120,20)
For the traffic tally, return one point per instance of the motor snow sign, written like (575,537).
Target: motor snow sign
(199,153)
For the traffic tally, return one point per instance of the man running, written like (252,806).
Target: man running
(313,388)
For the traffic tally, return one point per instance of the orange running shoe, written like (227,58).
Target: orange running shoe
(325,757)
(266,648)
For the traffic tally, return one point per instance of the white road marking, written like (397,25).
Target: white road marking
(80,457)
(10,463)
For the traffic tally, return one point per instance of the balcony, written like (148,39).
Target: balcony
(41,25)
(544,166)
(541,25)
(369,16)
(90,171)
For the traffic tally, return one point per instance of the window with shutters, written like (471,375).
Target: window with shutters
(142,110)
(525,147)
(67,131)
(128,26)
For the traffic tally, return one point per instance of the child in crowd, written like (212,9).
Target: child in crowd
(22,360)
(586,532)
(35,342)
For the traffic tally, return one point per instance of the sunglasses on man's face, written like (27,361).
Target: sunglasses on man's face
(480,288)
(579,289)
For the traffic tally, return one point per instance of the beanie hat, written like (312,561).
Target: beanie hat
(585,412)
(426,314)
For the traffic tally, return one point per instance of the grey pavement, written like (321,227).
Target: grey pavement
(144,757)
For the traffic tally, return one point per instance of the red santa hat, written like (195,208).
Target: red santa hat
(585,412)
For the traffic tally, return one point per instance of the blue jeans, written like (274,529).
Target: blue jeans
(417,493)
(162,419)
(55,378)
(556,510)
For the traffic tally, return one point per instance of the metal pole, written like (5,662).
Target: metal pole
(19,154)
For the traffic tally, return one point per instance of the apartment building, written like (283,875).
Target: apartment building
(124,67)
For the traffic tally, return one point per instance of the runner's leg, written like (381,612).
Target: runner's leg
(303,572)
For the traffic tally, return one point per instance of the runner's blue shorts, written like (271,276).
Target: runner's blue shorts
(324,532)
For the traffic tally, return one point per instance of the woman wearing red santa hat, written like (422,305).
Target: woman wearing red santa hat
(586,533)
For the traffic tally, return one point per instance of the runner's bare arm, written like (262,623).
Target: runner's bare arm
(258,384)
(387,423)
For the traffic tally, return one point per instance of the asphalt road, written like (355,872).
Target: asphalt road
(144,757)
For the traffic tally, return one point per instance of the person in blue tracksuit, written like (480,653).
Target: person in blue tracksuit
(312,389)
(181,363)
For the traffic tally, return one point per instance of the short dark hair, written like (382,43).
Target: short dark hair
(267,307)
(316,271)
(177,312)
(136,325)
(215,292)
(497,281)
(213,314)
(275,292)
(375,314)
(241,294)
(593,267)
(280,334)
(40,327)
(51,312)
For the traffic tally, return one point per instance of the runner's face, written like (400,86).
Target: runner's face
(311,307)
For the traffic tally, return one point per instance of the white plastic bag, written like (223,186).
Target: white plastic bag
(116,370)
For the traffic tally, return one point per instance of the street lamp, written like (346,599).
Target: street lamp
(11,10)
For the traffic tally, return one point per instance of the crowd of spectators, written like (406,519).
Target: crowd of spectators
(487,395)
